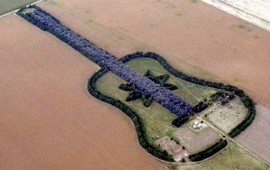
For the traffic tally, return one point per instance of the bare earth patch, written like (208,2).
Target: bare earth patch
(195,141)
(174,149)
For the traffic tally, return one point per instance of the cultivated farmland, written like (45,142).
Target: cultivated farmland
(209,43)
(48,119)
(77,129)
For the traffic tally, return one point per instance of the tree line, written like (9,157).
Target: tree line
(206,153)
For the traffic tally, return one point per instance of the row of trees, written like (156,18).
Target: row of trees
(248,102)
(200,107)
(179,121)
(136,119)
(222,143)
(146,86)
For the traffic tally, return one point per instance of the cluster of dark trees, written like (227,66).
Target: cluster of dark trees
(134,94)
(222,143)
(222,96)
(179,121)
(248,102)
(136,119)
(146,86)
(200,107)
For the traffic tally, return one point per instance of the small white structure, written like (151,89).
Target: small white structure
(198,124)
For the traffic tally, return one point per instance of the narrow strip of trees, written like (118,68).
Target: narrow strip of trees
(222,143)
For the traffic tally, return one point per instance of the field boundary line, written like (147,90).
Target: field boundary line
(218,130)
(14,11)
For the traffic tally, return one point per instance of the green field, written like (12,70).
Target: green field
(232,158)
(10,5)
(226,118)
(157,119)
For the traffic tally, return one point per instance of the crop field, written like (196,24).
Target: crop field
(9,5)
(208,44)
(51,114)
(48,119)
(226,117)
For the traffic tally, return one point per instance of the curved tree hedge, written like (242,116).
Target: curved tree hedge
(248,102)
(206,153)
(139,122)
(136,119)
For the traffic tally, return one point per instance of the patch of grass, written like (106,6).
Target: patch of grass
(241,26)
(10,5)
(179,14)
(194,1)
(227,118)
(157,118)
(192,93)
(173,137)
(232,157)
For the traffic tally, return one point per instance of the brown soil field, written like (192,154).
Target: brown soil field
(256,137)
(194,37)
(47,118)
(208,43)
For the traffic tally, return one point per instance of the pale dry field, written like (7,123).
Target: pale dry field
(226,118)
(47,118)
(196,141)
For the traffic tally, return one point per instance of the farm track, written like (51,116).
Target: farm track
(219,131)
